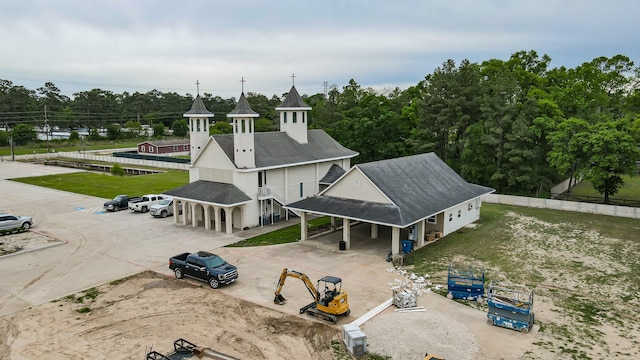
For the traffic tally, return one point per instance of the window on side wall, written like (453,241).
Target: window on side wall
(432,220)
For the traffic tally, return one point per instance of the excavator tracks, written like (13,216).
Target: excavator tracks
(315,313)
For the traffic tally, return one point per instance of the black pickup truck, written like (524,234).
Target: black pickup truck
(119,202)
(203,266)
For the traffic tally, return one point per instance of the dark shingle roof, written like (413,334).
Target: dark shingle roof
(198,108)
(210,192)
(273,149)
(243,107)
(293,100)
(332,175)
(419,186)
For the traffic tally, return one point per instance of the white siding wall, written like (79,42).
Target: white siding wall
(461,215)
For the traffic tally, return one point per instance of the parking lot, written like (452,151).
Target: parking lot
(101,247)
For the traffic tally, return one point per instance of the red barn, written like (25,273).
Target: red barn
(159,147)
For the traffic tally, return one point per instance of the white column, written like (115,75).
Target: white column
(346,233)
(186,212)
(228,212)
(207,218)
(194,216)
(176,213)
(303,226)
(395,240)
(217,218)
(333,223)
(374,231)
(420,228)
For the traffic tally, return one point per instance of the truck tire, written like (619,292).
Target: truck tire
(26,226)
(144,209)
(178,273)
(214,283)
(163,213)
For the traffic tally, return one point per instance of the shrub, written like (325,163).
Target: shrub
(117,170)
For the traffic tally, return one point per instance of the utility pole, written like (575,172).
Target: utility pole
(46,126)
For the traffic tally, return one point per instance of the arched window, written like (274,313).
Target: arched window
(191,124)
(295,117)
(198,125)
(303,117)
(244,129)
(284,119)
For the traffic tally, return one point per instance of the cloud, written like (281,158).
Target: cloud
(168,45)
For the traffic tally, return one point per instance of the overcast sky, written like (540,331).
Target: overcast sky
(136,45)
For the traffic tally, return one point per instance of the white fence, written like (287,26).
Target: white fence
(124,161)
(590,208)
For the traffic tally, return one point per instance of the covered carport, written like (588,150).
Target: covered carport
(209,204)
(418,192)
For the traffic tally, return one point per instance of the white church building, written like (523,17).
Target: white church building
(244,179)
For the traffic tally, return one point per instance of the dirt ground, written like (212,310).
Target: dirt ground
(126,318)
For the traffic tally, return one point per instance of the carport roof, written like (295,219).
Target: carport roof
(418,186)
(210,192)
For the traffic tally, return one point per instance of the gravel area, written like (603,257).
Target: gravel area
(25,241)
(409,335)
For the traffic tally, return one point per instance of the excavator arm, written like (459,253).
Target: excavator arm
(279,299)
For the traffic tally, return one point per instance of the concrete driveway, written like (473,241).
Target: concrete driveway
(102,247)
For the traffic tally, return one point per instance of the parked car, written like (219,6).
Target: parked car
(164,208)
(144,203)
(203,266)
(119,202)
(10,222)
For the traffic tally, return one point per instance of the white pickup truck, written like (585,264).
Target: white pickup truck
(164,208)
(144,203)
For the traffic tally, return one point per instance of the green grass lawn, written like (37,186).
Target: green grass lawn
(41,147)
(107,186)
(630,190)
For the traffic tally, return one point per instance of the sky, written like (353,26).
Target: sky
(140,45)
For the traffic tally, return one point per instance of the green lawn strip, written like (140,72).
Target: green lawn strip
(630,190)
(107,186)
(283,236)
(41,147)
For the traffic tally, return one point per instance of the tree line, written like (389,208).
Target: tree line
(516,125)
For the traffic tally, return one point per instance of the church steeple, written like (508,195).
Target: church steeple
(198,120)
(242,120)
(294,115)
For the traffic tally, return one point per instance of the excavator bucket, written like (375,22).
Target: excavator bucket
(279,299)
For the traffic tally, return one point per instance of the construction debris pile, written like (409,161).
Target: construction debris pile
(405,291)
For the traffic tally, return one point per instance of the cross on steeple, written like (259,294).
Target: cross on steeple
(242,80)
(293,79)
(197,87)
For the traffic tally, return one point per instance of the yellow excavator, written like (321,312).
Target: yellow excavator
(327,305)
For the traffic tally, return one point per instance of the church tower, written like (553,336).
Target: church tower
(294,114)
(242,120)
(198,120)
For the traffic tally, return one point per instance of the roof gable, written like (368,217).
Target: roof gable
(355,185)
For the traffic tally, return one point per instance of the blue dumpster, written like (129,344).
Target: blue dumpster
(407,246)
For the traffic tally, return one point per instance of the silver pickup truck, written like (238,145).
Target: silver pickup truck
(144,203)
